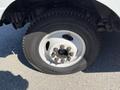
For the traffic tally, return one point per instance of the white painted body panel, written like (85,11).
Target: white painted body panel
(113,4)
(3,5)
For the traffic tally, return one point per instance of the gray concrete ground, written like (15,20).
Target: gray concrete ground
(17,74)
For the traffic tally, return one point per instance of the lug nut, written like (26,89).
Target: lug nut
(68,58)
(56,60)
(62,60)
(71,53)
(53,55)
(62,46)
(68,48)
(56,49)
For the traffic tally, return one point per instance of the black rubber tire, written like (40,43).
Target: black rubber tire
(61,20)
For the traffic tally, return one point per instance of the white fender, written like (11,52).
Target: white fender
(112,4)
(3,6)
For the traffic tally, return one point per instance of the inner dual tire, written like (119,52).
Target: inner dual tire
(61,42)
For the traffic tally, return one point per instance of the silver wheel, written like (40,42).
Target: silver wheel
(62,48)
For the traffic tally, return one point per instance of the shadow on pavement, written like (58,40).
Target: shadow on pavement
(108,60)
(10,82)
(11,42)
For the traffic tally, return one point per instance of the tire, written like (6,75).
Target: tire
(61,19)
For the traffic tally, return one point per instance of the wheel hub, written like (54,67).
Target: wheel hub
(63,54)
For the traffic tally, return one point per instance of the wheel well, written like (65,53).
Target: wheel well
(109,21)
(22,11)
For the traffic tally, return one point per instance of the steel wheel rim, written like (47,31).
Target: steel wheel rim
(62,48)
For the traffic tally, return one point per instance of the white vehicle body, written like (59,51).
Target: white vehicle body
(3,5)
(112,4)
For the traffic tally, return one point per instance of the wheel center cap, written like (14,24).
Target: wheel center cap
(63,52)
